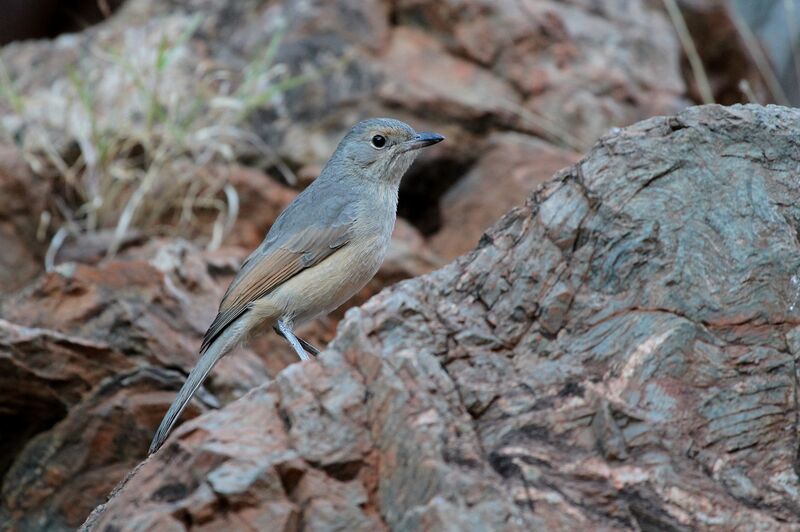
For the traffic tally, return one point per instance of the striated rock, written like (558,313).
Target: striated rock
(476,398)
(422,76)
(616,354)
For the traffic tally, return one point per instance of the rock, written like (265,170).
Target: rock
(105,347)
(19,263)
(615,354)
(510,58)
(261,200)
(726,60)
(578,67)
(50,18)
(423,77)
(87,379)
(474,398)
(21,205)
(503,177)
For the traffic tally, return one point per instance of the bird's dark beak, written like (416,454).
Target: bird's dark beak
(421,140)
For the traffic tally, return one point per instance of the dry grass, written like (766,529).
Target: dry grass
(760,59)
(690,49)
(157,164)
(751,44)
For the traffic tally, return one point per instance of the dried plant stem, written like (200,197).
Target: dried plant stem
(157,163)
(552,131)
(794,35)
(689,48)
(128,213)
(759,58)
(747,90)
(52,250)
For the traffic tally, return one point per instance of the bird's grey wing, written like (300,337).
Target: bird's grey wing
(323,203)
(295,242)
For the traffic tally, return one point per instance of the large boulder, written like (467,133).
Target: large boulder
(619,353)
(503,177)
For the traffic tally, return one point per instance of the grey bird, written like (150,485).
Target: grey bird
(321,250)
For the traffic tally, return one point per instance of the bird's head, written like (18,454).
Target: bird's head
(382,149)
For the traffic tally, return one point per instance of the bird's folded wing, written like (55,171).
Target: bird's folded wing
(269,267)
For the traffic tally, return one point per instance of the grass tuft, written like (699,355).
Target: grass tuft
(158,164)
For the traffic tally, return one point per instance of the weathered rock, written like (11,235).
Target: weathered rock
(261,200)
(616,354)
(422,76)
(577,67)
(85,382)
(93,352)
(486,59)
(21,204)
(88,377)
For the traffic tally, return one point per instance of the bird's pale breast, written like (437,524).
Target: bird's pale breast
(327,285)
(324,287)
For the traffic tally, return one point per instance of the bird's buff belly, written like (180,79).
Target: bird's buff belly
(323,287)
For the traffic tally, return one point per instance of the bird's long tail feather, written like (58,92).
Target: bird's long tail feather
(224,343)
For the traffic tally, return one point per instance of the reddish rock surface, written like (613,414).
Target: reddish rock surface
(261,200)
(576,68)
(616,354)
(103,350)
(100,353)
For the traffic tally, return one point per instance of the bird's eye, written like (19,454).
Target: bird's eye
(378,141)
